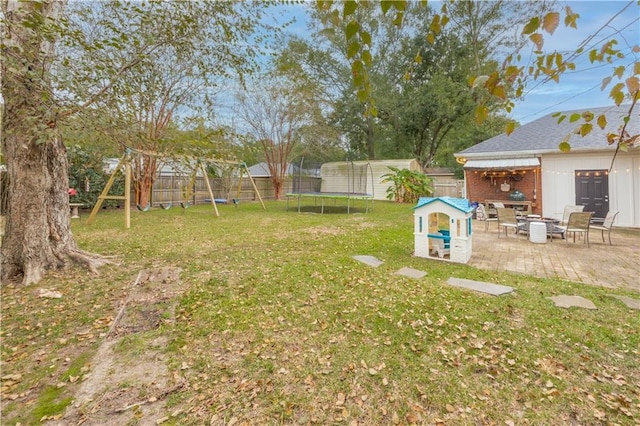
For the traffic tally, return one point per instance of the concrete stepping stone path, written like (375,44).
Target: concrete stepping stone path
(483,287)
(631,303)
(411,273)
(566,301)
(561,301)
(369,260)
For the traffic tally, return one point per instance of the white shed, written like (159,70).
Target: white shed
(363,177)
(442,229)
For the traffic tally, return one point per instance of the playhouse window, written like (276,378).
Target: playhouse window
(439,221)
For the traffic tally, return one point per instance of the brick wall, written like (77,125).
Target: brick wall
(481,188)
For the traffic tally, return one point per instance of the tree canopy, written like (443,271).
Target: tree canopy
(421,92)
(65,60)
(511,75)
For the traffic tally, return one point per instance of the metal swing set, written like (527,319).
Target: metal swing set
(198,167)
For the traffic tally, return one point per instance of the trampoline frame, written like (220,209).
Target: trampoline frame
(368,198)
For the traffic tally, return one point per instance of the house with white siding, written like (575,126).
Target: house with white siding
(530,161)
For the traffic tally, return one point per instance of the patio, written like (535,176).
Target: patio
(616,266)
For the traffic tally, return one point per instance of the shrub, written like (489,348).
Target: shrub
(407,185)
(88,177)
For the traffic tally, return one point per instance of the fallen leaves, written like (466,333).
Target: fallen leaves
(622,403)
(291,335)
(413,418)
(9,383)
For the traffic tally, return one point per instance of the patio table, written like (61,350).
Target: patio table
(551,223)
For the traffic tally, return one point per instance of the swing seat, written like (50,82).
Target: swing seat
(184,205)
(145,208)
(236,201)
(165,206)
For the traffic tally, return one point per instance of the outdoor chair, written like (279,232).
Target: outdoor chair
(507,219)
(565,217)
(606,225)
(491,208)
(567,212)
(481,214)
(579,223)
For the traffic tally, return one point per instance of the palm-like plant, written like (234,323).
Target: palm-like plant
(407,185)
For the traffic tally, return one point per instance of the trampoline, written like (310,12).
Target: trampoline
(354,177)
(348,196)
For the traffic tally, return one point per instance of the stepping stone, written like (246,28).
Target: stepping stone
(410,272)
(631,303)
(369,260)
(489,288)
(565,301)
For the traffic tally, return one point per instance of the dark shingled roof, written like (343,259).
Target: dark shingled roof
(545,134)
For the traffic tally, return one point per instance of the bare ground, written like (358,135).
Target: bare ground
(130,386)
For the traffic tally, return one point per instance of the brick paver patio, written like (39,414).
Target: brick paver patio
(616,266)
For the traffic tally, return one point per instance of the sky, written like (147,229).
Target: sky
(578,89)
(582,89)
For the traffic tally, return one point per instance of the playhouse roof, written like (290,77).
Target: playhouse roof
(461,204)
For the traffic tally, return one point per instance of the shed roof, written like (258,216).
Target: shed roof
(262,170)
(461,204)
(545,134)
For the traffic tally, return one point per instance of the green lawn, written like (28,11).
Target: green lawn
(278,324)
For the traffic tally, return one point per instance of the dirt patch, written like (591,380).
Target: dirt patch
(324,230)
(128,378)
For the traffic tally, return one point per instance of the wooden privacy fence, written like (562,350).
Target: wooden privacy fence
(173,189)
(448,188)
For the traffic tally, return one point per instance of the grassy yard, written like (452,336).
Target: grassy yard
(274,322)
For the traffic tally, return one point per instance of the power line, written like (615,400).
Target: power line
(579,55)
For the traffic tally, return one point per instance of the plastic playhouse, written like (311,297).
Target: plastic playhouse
(442,229)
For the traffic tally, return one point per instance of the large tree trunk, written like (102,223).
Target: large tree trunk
(37,235)
(277,182)
(37,229)
(144,173)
